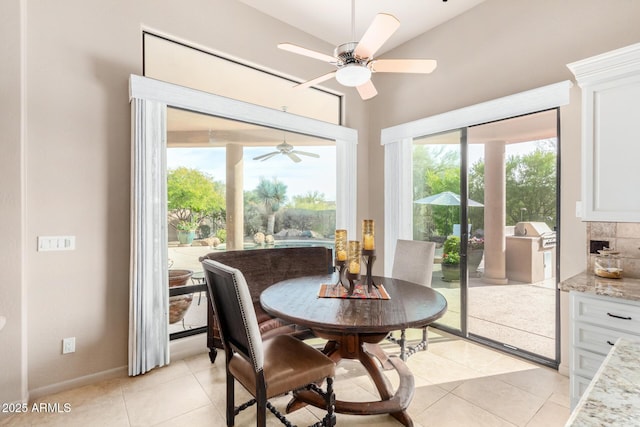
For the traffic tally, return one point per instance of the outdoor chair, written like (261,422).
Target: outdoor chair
(269,368)
(413,262)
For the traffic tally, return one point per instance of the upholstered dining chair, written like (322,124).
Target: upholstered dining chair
(269,368)
(413,262)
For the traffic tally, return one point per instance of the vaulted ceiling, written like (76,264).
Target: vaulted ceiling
(330,20)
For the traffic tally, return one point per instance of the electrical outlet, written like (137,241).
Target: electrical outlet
(597,245)
(69,345)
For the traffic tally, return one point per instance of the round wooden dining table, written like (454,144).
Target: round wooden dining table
(353,328)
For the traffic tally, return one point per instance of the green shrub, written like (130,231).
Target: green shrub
(451,258)
(452,246)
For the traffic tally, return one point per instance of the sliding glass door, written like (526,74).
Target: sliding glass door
(488,196)
(436,214)
(512,170)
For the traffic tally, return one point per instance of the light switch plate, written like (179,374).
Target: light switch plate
(579,209)
(56,243)
(69,345)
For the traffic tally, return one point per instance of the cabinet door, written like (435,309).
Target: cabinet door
(612,152)
(618,315)
(578,386)
(610,85)
(585,363)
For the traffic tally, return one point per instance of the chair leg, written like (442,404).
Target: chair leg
(230,400)
(425,338)
(402,343)
(330,418)
(261,399)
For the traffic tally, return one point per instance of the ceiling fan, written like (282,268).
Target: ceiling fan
(355,62)
(286,149)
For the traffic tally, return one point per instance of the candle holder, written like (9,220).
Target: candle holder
(353,279)
(353,258)
(368,235)
(340,246)
(341,268)
(369,256)
(341,253)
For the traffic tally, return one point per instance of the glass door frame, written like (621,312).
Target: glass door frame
(553,363)
(397,142)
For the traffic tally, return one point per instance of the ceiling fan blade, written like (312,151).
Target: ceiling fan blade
(290,47)
(266,156)
(367,90)
(382,27)
(316,80)
(424,66)
(293,157)
(304,153)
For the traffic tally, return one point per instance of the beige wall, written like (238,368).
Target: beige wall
(499,48)
(79,55)
(12,301)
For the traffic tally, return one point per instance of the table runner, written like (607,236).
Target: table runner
(360,291)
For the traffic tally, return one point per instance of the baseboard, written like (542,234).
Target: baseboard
(77,382)
(180,349)
(563,369)
(188,346)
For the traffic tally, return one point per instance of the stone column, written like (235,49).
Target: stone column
(495,216)
(235,197)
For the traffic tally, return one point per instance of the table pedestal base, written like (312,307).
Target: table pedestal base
(365,348)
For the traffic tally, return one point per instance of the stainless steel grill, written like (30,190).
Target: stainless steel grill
(536,229)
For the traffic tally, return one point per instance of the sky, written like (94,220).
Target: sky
(310,174)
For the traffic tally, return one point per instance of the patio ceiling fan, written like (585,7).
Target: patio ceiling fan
(355,61)
(288,150)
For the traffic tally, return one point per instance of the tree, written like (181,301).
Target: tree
(531,185)
(192,195)
(436,169)
(476,192)
(272,194)
(312,200)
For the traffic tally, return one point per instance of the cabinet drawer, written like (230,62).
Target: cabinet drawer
(585,363)
(596,338)
(577,385)
(611,314)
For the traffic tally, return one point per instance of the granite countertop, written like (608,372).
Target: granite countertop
(625,288)
(613,396)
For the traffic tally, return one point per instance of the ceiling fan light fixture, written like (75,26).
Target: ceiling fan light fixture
(352,75)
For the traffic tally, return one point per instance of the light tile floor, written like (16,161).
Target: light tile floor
(458,383)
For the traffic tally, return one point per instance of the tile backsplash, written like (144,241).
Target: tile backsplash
(622,236)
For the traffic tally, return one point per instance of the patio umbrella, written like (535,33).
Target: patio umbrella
(446,198)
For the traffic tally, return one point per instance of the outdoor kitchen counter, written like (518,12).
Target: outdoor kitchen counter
(613,396)
(589,283)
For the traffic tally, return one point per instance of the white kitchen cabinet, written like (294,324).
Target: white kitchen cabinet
(596,324)
(610,134)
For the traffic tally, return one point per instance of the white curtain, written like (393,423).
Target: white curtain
(398,196)
(149,287)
